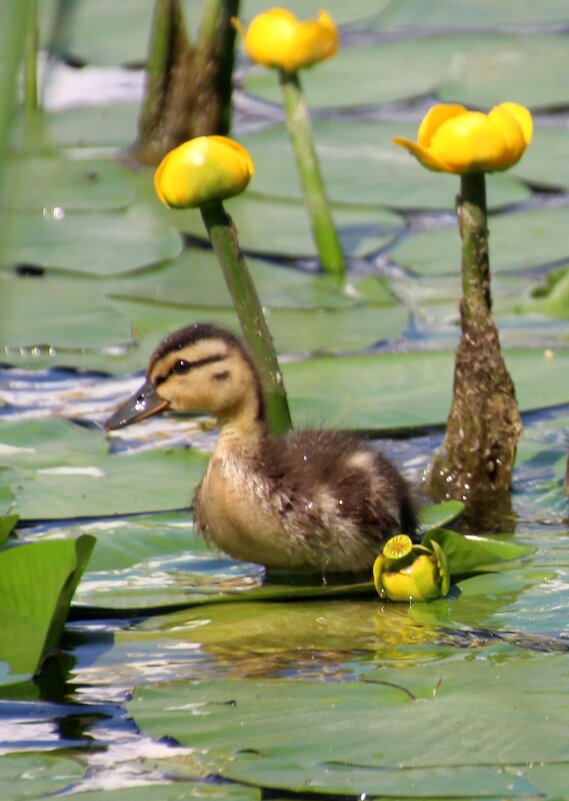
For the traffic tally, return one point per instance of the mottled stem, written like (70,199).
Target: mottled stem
(223,237)
(476,459)
(188,85)
(321,221)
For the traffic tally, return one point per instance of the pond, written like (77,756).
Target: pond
(183,673)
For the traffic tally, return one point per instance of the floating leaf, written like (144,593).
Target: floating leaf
(54,185)
(469,553)
(521,240)
(35,775)
(57,314)
(408,15)
(103,244)
(439,514)
(371,737)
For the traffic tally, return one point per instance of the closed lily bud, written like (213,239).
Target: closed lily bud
(277,38)
(407,572)
(202,170)
(453,139)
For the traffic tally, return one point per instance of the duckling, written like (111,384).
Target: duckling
(311,501)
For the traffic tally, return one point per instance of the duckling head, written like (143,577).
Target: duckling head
(200,369)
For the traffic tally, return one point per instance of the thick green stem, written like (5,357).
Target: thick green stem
(15,24)
(31,61)
(300,131)
(223,237)
(476,459)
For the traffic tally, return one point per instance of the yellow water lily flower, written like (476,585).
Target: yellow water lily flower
(453,139)
(202,170)
(277,38)
(407,572)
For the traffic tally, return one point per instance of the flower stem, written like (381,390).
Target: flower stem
(223,237)
(300,131)
(476,459)
(31,61)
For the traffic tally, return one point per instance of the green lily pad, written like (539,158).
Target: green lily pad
(176,789)
(528,70)
(540,164)
(468,14)
(54,185)
(341,12)
(53,314)
(37,582)
(195,279)
(388,71)
(466,554)
(118,34)
(293,331)
(360,164)
(263,732)
(414,389)
(272,226)
(439,514)
(35,775)
(109,126)
(518,241)
(58,470)
(104,244)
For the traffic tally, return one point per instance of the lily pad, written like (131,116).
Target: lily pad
(195,279)
(271,742)
(52,314)
(466,554)
(35,775)
(54,185)
(414,389)
(518,241)
(176,789)
(118,34)
(293,331)
(528,70)
(103,244)
(360,164)
(108,126)
(272,226)
(79,479)
(388,71)
(408,15)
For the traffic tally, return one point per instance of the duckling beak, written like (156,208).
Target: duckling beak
(143,404)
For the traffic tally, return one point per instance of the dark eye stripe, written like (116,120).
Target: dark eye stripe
(182,367)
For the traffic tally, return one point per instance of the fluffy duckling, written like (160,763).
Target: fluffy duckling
(316,501)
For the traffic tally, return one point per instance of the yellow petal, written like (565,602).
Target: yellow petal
(470,143)
(202,170)
(516,126)
(523,117)
(452,139)
(434,118)
(421,154)
(277,38)
(400,587)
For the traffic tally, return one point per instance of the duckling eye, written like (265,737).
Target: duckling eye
(181,367)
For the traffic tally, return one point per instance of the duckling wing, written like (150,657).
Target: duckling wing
(332,476)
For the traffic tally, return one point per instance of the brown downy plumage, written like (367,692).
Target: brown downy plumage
(318,501)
